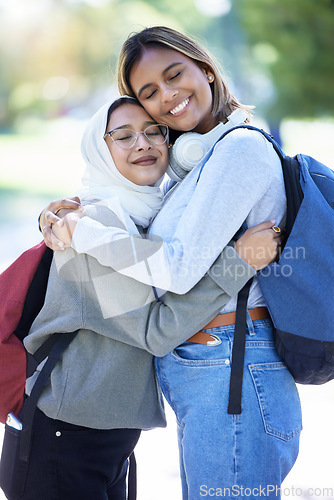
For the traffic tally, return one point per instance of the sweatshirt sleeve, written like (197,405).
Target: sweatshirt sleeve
(162,325)
(233,180)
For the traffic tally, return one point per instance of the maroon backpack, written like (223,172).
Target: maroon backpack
(22,292)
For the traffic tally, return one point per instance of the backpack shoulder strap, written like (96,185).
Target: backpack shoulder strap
(35,295)
(60,341)
(291,175)
(269,137)
(238,351)
(293,190)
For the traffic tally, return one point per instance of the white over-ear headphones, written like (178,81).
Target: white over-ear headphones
(189,149)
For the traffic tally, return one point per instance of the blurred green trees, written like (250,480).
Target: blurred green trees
(56,55)
(293,42)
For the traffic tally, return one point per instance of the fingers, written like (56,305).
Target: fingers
(264,225)
(75,198)
(277,237)
(275,249)
(71,203)
(49,214)
(51,240)
(48,218)
(269,234)
(273,231)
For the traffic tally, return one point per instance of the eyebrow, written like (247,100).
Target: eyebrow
(163,74)
(147,123)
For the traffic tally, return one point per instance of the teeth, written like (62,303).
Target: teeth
(179,107)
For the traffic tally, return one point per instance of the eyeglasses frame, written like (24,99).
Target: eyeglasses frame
(137,134)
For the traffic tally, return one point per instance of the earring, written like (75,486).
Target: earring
(210,78)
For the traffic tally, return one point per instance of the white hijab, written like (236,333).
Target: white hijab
(103,182)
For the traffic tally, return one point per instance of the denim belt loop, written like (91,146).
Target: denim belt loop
(250,325)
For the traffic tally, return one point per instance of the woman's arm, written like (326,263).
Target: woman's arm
(160,326)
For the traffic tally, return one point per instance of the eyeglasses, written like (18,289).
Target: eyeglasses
(126,138)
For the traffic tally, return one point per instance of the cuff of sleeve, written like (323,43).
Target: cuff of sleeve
(230,271)
(82,235)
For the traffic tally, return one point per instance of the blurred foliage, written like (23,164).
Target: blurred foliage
(293,43)
(58,57)
(57,54)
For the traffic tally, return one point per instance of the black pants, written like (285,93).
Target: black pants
(70,462)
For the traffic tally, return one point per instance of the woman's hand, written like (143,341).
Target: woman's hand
(49,217)
(70,219)
(259,245)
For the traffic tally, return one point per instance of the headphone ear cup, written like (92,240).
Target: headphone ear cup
(185,154)
(190,148)
(174,171)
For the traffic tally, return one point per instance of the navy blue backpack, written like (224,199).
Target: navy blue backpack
(299,287)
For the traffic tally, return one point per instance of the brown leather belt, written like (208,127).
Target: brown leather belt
(225,320)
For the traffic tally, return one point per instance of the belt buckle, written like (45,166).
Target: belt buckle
(215,342)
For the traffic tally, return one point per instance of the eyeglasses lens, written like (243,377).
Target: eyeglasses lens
(126,138)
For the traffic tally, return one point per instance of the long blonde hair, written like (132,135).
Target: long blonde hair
(223,101)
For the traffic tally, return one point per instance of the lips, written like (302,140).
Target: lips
(145,160)
(177,110)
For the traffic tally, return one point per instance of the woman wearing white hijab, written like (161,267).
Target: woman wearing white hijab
(104,391)
(102,180)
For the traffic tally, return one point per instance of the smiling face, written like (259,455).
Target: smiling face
(145,163)
(174,89)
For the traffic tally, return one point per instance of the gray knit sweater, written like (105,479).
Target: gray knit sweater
(105,383)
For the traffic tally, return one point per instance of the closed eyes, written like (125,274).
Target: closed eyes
(168,80)
(175,76)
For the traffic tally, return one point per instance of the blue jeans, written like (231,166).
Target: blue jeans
(232,456)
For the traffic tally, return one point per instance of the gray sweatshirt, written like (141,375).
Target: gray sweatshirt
(102,382)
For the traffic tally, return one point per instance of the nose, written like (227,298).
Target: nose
(168,93)
(142,143)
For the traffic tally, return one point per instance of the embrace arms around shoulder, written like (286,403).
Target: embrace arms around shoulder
(257,246)
(162,325)
(234,180)
(253,251)
(157,326)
